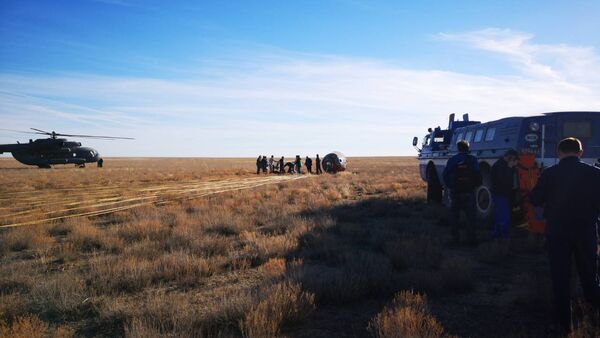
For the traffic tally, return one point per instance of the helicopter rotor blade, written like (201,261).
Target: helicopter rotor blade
(97,136)
(22,131)
(41,131)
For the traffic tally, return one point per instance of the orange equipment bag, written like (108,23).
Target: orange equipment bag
(529,173)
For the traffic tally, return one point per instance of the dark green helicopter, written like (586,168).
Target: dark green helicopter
(50,151)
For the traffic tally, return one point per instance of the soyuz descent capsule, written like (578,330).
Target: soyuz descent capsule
(334,162)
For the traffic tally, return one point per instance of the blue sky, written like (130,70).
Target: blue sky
(239,78)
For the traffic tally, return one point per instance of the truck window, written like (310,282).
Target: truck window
(478,135)
(459,137)
(489,136)
(577,129)
(468,136)
(426,141)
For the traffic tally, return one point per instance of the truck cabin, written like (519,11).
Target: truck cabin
(437,139)
(440,139)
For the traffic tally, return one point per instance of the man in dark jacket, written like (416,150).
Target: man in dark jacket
(281,168)
(503,184)
(308,164)
(318,163)
(258,164)
(264,164)
(462,176)
(569,192)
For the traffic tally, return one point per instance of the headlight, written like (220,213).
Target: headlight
(534,126)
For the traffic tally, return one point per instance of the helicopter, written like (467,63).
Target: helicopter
(54,150)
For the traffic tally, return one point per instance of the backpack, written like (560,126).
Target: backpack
(465,178)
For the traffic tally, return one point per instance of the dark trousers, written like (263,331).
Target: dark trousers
(257,169)
(562,247)
(309,168)
(463,202)
(319,171)
(501,216)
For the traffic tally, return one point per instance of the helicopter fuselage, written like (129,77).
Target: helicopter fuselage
(46,152)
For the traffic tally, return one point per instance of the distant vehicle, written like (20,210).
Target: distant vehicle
(334,162)
(534,137)
(50,151)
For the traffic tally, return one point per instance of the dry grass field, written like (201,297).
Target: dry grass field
(206,248)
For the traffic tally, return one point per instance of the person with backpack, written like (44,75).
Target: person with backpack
(462,176)
(503,180)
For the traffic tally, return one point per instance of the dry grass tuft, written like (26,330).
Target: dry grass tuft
(274,268)
(24,239)
(33,327)
(407,316)
(87,238)
(59,297)
(283,304)
(25,327)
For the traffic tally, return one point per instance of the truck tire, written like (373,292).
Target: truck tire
(434,186)
(484,201)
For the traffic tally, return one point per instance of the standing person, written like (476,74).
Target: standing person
(318,163)
(281,167)
(462,176)
(271,160)
(308,164)
(298,164)
(503,184)
(569,194)
(100,162)
(264,164)
(258,164)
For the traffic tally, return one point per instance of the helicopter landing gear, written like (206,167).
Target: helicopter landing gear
(44,166)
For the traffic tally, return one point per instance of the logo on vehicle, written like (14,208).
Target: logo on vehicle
(531,137)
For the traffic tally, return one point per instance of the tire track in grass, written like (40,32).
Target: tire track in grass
(159,195)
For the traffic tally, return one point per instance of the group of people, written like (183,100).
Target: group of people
(566,196)
(271,165)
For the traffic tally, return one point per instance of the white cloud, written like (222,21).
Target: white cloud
(298,103)
(554,62)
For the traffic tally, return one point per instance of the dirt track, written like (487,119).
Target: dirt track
(34,207)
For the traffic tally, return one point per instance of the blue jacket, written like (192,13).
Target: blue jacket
(570,195)
(451,167)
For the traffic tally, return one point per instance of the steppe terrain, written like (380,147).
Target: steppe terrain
(206,248)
